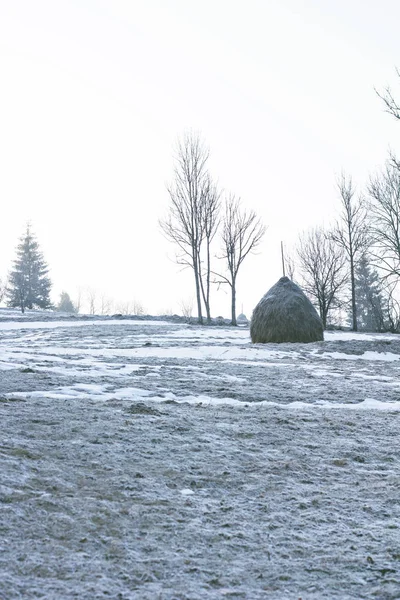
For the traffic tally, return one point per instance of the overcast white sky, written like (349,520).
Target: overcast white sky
(94,94)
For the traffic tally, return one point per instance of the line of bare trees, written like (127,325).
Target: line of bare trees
(95,302)
(196,214)
(361,250)
(367,232)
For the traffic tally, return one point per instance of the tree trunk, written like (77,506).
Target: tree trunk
(206,301)
(208,313)
(198,294)
(206,292)
(208,283)
(205,295)
(233,321)
(353,294)
(22,303)
(323,312)
(198,298)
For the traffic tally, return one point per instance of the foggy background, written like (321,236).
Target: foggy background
(95,95)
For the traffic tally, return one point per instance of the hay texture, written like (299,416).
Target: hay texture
(285,314)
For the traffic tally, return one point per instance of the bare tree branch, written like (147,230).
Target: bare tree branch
(384,213)
(389,101)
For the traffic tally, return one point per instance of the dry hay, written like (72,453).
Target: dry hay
(285,314)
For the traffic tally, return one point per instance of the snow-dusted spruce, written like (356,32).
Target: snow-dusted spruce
(285,314)
(65,304)
(371,314)
(29,285)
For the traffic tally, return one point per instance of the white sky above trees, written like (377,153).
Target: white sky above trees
(95,93)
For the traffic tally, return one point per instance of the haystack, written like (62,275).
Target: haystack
(285,314)
(242,319)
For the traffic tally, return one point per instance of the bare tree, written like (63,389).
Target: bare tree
(384,215)
(133,307)
(187,308)
(351,233)
(124,308)
(138,308)
(106,305)
(193,214)
(241,234)
(322,262)
(92,299)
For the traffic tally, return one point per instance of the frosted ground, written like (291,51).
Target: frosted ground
(156,460)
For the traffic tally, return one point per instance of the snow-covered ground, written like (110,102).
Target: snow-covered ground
(147,459)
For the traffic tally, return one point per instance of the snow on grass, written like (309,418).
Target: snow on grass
(258,363)
(332,336)
(11,325)
(368,355)
(117,354)
(91,368)
(10,365)
(316,371)
(381,378)
(367,404)
(189,353)
(116,483)
(132,394)
(85,392)
(217,333)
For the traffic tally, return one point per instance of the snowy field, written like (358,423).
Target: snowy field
(162,461)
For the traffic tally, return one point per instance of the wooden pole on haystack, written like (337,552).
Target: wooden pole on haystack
(283,260)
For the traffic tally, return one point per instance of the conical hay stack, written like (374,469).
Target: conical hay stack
(285,314)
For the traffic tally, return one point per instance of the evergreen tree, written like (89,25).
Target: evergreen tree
(29,285)
(370,313)
(66,304)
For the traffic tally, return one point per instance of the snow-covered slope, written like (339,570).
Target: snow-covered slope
(151,459)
